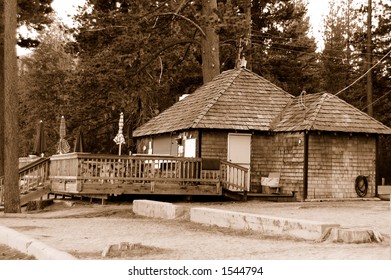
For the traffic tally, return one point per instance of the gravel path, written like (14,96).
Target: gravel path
(85,230)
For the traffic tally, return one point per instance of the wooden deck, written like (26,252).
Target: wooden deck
(90,174)
(100,176)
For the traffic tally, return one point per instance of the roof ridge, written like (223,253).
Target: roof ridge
(269,82)
(318,106)
(214,100)
(359,111)
(278,118)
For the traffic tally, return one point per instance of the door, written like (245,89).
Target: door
(239,152)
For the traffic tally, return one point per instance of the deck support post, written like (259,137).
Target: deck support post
(305,166)
(245,195)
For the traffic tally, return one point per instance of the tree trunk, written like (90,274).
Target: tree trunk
(210,43)
(369,59)
(2,88)
(9,106)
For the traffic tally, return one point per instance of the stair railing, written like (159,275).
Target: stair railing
(233,176)
(31,177)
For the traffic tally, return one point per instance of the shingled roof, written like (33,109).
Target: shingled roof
(236,99)
(325,112)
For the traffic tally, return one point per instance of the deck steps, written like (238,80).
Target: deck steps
(234,195)
(35,194)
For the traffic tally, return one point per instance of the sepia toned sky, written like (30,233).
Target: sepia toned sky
(317,9)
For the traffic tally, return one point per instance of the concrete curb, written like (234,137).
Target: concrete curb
(308,230)
(157,209)
(31,246)
(342,199)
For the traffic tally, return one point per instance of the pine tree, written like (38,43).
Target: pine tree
(283,51)
(43,93)
(338,56)
(344,62)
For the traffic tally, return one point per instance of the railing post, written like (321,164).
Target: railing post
(245,186)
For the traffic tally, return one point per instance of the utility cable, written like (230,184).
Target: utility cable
(363,75)
(388,92)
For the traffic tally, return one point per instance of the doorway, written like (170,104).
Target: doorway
(239,152)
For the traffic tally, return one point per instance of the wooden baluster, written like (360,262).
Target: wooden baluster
(176,168)
(190,169)
(153,171)
(94,166)
(169,169)
(130,168)
(241,179)
(138,168)
(246,187)
(198,171)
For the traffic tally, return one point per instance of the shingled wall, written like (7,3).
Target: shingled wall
(281,153)
(214,144)
(334,162)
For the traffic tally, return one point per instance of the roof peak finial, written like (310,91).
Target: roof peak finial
(243,62)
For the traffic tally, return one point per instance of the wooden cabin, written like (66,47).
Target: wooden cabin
(316,146)
(237,135)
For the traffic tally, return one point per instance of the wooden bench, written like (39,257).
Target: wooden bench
(272,181)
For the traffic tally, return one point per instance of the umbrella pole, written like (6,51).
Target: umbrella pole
(119,151)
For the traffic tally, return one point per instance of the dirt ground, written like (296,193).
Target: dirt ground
(7,253)
(85,230)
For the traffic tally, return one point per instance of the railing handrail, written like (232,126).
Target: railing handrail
(228,181)
(122,157)
(137,157)
(234,165)
(33,164)
(30,166)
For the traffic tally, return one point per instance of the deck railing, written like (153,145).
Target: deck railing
(68,172)
(233,176)
(31,177)
(95,168)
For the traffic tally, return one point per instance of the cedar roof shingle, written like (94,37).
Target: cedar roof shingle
(236,99)
(239,99)
(325,112)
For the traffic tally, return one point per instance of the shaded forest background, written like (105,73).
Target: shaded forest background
(138,57)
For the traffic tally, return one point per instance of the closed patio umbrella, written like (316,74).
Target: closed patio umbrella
(63,146)
(120,139)
(79,142)
(40,141)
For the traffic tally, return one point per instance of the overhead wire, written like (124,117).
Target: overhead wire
(388,92)
(303,52)
(363,75)
(304,46)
